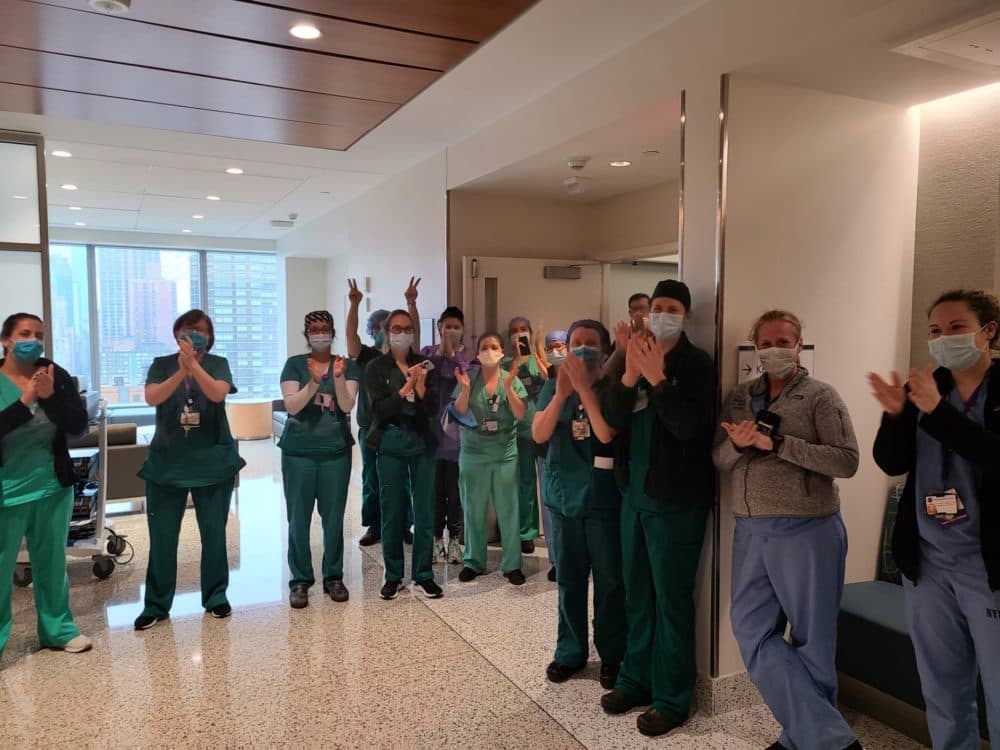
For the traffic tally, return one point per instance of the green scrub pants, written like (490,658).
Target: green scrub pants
(585,546)
(527,488)
(45,524)
(371,509)
(321,483)
(480,482)
(164,512)
(660,554)
(402,478)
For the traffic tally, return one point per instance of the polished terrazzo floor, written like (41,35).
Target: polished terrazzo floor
(465,671)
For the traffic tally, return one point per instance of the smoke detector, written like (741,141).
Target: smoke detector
(575,185)
(577,163)
(114,7)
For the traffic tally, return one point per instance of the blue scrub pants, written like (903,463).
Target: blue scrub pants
(954,622)
(789,570)
(550,542)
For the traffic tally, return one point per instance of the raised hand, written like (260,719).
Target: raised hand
(742,434)
(45,381)
(622,331)
(339,365)
(576,371)
(923,389)
(354,295)
(651,353)
(462,376)
(564,385)
(29,395)
(890,395)
(420,384)
(412,291)
(317,370)
(186,355)
(515,368)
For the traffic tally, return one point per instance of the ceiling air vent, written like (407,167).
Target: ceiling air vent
(284,223)
(114,7)
(972,45)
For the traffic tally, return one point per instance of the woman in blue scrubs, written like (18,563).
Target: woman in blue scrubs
(784,438)
(942,429)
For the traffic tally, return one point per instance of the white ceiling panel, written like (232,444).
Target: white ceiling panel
(94,198)
(244,188)
(93,218)
(90,174)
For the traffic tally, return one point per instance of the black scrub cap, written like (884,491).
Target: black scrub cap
(673,289)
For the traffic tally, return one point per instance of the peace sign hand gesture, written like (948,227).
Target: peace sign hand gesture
(354,295)
(412,291)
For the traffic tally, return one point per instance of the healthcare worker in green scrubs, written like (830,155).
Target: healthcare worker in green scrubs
(403,403)
(192,452)
(487,463)
(663,408)
(38,407)
(533,372)
(585,506)
(319,391)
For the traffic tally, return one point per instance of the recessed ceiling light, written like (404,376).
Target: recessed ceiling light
(651,152)
(80,223)
(212,198)
(75,208)
(62,154)
(234,170)
(20,197)
(186,231)
(621,164)
(68,186)
(197,216)
(304,31)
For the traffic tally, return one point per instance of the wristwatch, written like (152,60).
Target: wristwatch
(776,443)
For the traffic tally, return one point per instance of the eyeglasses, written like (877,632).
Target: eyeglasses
(401,329)
(314,330)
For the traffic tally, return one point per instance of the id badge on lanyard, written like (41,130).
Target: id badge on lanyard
(580,427)
(491,425)
(947,507)
(190,416)
(641,401)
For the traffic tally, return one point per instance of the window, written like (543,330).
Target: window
(136,295)
(70,322)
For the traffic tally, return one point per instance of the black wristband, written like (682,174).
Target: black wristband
(776,443)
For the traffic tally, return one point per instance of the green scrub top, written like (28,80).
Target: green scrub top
(530,375)
(316,430)
(575,488)
(641,438)
(202,455)
(29,470)
(399,440)
(483,446)
(368,354)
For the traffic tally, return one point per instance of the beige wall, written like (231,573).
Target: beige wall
(493,225)
(625,280)
(821,205)
(958,202)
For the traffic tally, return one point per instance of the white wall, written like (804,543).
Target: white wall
(395,231)
(821,208)
(304,281)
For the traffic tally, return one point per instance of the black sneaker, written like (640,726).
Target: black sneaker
(616,702)
(222,611)
(298,597)
(389,590)
(557,672)
(609,675)
(654,724)
(552,574)
(527,547)
(338,591)
(430,588)
(467,575)
(408,537)
(856,745)
(516,577)
(372,536)
(779,746)
(145,622)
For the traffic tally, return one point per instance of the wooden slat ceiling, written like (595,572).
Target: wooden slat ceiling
(230,67)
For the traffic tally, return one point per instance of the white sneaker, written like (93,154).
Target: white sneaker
(439,555)
(455,552)
(78,645)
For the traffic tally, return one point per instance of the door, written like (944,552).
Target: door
(497,289)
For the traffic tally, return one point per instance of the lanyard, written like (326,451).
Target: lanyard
(946,452)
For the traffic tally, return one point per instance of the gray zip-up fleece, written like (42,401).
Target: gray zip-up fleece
(819,444)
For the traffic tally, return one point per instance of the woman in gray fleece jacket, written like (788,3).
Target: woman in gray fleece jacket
(784,437)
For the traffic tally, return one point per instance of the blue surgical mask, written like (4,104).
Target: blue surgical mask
(400,341)
(198,341)
(379,338)
(556,356)
(666,326)
(590,355)
(28,350)
(958,352)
